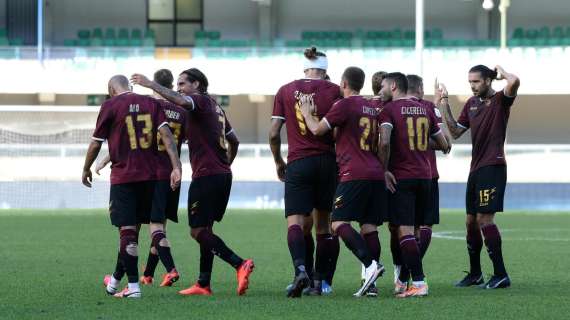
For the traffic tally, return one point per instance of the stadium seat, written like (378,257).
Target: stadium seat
(136,38)
(149,34)
(110,37)
(84,42)
(97,42)
(518,33)
(83,34)
(558,32)
(123,38)
(97,33)
(4,41)
(437,34)
(16,42)
(555,41)
(69,42)
(3,33)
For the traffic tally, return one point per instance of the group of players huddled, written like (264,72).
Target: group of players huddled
(350,159)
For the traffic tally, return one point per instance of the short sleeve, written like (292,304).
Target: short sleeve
(160,115)
(385,117)
(336,117)
(463,120)
(104,123)
(229,128)
(505,100)
(434,123)
(278,106)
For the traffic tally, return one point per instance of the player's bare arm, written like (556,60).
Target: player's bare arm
(318,128)
(233,145)
(102,164)
(92,152)
(166,93)
(384,155)
(455,130)
(170,144)
(441,142)
(275,145)
(513,82)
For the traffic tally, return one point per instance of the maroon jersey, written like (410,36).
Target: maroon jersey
(412,125)
(377,102)
(176,118)
(431,153)
(208,127)
(357,138)
(130,123)
(302,143)
(488,124)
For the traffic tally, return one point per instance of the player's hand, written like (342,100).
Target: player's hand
(87,178)
(141,80)
(437,92)
(307,105)
(175,178)
(390,181)
(99,166)
(281,168)
(500,71)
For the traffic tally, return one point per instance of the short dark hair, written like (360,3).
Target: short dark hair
(354,77)
(399,79)
(415,82)
(484,71)
(194,74)
(312,53)
(377,81)
(164,77)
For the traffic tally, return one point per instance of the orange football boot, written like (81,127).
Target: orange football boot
(169,278)
(243,273)
(196,290)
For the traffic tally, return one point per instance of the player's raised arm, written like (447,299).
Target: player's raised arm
(318,128)
(513,82)
(455,129)
(170,145)
(92,152)
(168,94)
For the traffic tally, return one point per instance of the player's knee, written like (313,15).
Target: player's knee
(164,243)
(367,228)
(133,249)
(157,237)
(153,250)
(337,224)
(194,232)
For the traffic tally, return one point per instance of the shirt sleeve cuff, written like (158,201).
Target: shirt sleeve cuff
(229,132)
(327,123)
(387,124)
(461,126)
(505,94)
(189,99)
(98,139)
(278,117)
(162,125)
(438,132)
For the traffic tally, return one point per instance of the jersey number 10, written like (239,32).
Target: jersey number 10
(418,135)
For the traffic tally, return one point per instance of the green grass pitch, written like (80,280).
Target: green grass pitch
(52,264)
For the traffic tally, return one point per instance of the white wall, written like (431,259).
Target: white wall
(68,16)
(234,18)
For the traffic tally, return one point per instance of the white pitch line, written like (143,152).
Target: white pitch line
(451,235)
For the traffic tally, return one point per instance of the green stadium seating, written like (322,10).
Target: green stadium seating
(97,42)
(558,32)
(84,42)
(4,41)
(436,34)
(3,33)
(83,34)
(97,33)
(518,33)
(69,42)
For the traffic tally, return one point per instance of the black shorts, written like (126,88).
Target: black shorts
(410,202)
(364,201)
(310,183)
(486,189)
(164,202)
(431,216)
(130,203)
(207,199)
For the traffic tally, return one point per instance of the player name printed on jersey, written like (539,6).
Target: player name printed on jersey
(302,143)
(412,125)
(130,122)
(357,139)
(176,117)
